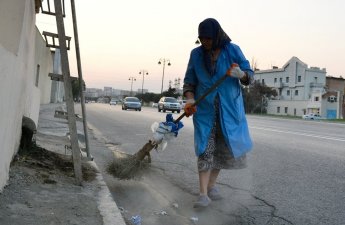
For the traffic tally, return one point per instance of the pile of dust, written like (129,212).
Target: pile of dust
(127,167)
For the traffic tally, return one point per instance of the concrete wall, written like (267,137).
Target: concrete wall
(19,95)
(43,66)
(57,87)
(294,108)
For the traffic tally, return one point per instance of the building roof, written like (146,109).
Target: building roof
(335,78)
(293,59)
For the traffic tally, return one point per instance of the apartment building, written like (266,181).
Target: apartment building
(109,91)
(300,88)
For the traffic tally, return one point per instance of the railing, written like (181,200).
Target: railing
(316,85)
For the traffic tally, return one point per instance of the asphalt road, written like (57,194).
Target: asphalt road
(295,172)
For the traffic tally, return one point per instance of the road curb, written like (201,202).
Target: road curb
(106,205)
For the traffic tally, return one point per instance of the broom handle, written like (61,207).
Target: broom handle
(214,86)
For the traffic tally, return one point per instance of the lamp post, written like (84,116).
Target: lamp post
(163,61)
(143,72)
(132,79)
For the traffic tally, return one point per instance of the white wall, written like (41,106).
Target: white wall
(57,87)
(19,96)
(43,58)
(300,106)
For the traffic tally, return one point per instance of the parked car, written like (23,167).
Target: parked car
(182,103)
(112,102)
(311,116)
(155,105)
(131,103)
(170,104)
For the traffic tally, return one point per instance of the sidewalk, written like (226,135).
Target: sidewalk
(41,188)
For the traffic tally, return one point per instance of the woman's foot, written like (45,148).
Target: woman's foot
(214,194)
(202,202)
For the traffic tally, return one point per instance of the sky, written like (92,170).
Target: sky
(118,39)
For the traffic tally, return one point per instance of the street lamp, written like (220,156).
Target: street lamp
(163,61)
(143,72)
(132,79)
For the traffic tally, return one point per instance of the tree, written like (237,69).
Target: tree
(256,97)
(171,92)
(152,97)
(75,89)
(149,97)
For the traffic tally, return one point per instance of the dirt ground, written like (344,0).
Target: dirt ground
(42,190)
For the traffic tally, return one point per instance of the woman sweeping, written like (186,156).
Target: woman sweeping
(221,135)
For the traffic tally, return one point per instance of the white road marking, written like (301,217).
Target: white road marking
(299,133)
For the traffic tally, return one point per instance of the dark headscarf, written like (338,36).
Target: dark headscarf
(210,28)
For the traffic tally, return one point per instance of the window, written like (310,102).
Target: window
(288,92)
(278,109)
(275,80)
(286,109)
(316,99)
(287,79)
(37,75)
(281,79)
(263,81)
(299,78)
(296,92)
(332,98)
(315,79)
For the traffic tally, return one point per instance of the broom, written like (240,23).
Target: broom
(132,166)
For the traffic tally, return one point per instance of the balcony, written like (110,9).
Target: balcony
(316,85)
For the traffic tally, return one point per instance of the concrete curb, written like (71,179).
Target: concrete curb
(55,127)
(106,205)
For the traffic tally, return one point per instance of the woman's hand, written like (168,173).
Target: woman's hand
(189,107)
(235,71)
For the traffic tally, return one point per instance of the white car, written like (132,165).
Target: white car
(112,102)
(169,104)
(131,103)
(182,103)
(311,116)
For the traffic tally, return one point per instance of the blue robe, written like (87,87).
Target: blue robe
(231,109)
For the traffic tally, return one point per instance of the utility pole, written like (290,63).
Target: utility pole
(81,81)
(132,79)
(163,61)
(68,93)
(143,72)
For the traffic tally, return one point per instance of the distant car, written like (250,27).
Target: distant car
(113,102)
(154,105)
(169,104)
(131,103)
(311,116)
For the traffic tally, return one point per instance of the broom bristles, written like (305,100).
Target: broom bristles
(132,166)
